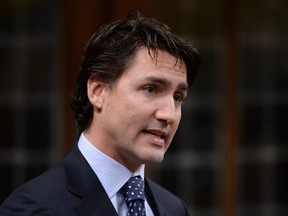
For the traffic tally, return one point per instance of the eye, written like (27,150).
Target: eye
(178,98)
(150,89)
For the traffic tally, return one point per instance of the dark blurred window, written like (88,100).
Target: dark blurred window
(29,90)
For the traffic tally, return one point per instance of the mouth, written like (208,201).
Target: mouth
(159,134)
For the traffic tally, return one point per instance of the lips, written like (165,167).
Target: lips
(155,132)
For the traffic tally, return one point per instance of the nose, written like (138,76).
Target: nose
(167,111)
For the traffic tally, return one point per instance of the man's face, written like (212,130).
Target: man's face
(141,112)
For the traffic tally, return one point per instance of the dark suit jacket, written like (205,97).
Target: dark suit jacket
(72,188)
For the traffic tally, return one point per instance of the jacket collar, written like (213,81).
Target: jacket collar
(153,200)
(83,183)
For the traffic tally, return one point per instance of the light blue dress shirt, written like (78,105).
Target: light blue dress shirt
(111,174)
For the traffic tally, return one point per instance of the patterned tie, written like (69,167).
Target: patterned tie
(133,192)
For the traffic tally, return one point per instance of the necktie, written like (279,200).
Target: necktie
(133,192)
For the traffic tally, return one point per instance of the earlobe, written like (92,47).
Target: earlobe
(95,92)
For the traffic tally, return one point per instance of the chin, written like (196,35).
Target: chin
(150,155)
(153,158)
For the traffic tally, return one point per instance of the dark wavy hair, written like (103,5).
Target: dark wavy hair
(110,50)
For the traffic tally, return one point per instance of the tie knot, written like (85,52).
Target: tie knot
(133,189)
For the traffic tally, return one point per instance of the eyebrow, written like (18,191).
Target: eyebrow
(163,81)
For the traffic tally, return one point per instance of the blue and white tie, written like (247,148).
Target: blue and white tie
(133,192)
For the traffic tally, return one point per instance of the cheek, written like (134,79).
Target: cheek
(127,113)
(178,119)
(134,108)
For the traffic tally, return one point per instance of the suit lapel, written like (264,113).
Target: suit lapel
(83,183)
(96,202)
(155,204)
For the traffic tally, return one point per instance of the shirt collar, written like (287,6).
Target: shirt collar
(111,173)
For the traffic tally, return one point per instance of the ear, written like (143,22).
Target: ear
(95,92)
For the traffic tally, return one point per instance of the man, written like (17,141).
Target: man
(134,77)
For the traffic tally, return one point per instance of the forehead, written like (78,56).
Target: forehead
(159,67)
(161,57)
(158,59)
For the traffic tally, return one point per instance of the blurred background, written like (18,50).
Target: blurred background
(230,156)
